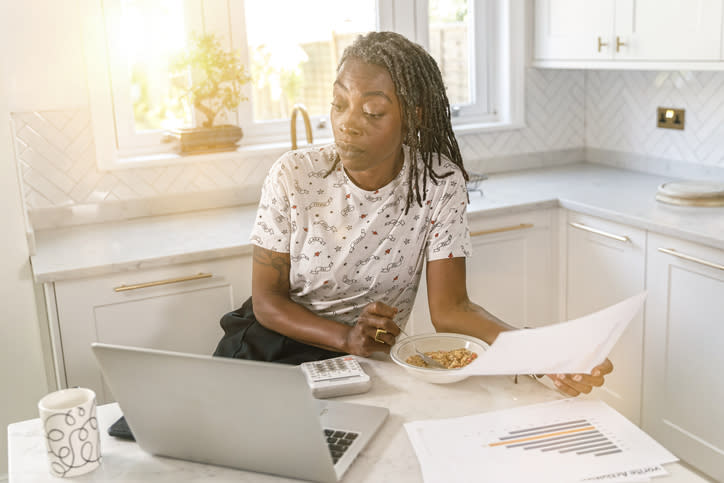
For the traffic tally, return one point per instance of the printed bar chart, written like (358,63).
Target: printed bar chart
(565,440)
(580,437)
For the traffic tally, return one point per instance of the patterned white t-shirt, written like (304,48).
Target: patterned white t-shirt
(348,246)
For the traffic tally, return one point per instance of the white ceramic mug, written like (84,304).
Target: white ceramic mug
(70,429)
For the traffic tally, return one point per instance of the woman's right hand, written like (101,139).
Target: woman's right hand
(375,330)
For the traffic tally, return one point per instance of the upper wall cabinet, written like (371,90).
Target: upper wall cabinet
(634,34)
(573,30)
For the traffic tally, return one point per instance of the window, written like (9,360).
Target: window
(457,41)
(291,48)
(144,38)
(293,59)
(449,36)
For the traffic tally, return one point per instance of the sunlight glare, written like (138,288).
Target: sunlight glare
(151,31)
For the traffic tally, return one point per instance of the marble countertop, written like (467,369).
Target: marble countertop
(615,194)
(389,457)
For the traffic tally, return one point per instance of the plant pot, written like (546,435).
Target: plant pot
(197,140)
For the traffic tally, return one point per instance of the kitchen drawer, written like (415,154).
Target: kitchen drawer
(174,308)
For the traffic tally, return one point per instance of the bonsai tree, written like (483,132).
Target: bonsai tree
(216,76)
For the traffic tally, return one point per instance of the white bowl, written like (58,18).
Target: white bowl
(435,342)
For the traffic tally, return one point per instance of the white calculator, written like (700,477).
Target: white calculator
(336,377)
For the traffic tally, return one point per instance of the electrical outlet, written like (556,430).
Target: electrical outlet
(670,118)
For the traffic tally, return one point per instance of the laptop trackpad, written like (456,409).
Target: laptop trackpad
(360,418)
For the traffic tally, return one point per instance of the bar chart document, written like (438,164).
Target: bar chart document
(575,346)
(561,441)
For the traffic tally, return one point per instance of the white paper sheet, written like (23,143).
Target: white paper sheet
(633,475)
(557,442)
(575,346)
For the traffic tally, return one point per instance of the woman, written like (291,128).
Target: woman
(343,231)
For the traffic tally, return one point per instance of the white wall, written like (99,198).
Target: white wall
(44,53)
(25,80)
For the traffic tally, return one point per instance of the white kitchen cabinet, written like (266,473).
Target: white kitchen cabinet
(511,272)
(173,308)
(628,30)
(572,29)
(684,357)
(676,30)
(605,264)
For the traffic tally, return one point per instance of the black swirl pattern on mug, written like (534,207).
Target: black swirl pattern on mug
(74,446)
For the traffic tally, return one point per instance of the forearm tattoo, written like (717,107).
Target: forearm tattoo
(279,262)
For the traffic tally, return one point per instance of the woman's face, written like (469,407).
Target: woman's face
(367,123)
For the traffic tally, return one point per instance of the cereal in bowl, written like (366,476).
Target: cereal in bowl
(452,359)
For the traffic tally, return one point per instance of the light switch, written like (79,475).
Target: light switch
(670,118)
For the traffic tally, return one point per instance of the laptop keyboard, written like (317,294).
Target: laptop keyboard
(338,442)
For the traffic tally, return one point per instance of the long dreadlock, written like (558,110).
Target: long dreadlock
(418,84)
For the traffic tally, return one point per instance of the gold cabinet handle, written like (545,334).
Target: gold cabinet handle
(135,286)
(522,226)
(601,43)
(619,44)
(599,232)
(671,251)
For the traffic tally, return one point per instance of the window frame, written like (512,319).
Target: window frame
(482,20)
(498,62)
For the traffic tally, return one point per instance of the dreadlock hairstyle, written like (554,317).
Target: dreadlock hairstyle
(420,89)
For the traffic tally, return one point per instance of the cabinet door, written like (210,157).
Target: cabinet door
(571,29)
(171,315)
(674,30)
(650,30)
(510,272)
(605,265)
(683,390)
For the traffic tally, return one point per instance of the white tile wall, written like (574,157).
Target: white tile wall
(57,155)
(554,111)
(58,167)
(621,114)
(609,113)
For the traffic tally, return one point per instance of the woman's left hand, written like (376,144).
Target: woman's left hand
(575,384)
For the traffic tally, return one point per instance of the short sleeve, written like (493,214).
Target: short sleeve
(450,236)
(272,226)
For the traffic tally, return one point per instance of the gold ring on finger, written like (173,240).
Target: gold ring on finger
(377,335)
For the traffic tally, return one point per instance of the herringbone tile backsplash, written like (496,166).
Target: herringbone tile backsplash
(56,154)
(554,115)
(57,163)
(565,111)
(621,114)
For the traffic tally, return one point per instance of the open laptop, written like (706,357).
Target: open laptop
(255,416)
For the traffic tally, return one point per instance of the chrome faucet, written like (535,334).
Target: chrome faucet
(307,124)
